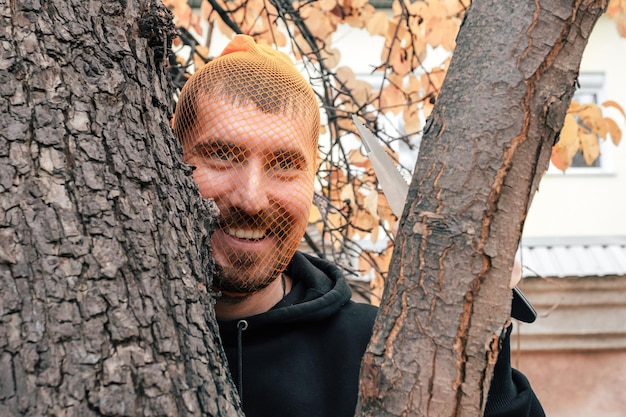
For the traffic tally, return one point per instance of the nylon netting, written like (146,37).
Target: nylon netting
(249,123)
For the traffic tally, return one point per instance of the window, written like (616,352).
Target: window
(591,90)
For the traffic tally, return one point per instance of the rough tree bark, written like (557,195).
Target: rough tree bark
(104,308)
(485,148)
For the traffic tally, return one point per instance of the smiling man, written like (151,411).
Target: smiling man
(259,168)
(249,124)
(254,153)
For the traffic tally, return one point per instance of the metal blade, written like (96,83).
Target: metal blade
(391,181)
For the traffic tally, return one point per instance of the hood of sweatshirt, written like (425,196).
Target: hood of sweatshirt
(319,291)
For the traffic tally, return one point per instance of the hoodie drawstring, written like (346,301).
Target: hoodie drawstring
(242,325)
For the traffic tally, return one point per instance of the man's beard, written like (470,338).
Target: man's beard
(244,274)
(238,290)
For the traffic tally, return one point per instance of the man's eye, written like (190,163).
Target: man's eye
(220,153)
(287,161)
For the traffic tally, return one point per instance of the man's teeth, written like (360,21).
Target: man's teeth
(246,234)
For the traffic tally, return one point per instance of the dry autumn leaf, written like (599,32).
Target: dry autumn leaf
(614,131)
(356,158)
(615,105)
(450,29)
(590,147)
(375,233)
(378,24)
(590,115)
(435,32)
(568,144)
(370,203)
(365,266)
(420,9)
(411,118)
(336,222)
(205,11)
(392,99)
(330,57)
(327,5)
(456,7)
(396,7)
(314,215)
(413,87)
(620,22)
(614,8)
(364,222)
(200,56)
(318,23)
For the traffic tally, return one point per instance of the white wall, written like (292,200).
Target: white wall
(573,204)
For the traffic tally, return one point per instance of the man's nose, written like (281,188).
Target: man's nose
(251,193)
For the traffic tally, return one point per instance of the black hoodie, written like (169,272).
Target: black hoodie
(302,358)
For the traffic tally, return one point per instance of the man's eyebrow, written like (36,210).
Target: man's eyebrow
(210,141)
(293,153)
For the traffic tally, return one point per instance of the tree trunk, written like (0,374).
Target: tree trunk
(104,275)
(484,151)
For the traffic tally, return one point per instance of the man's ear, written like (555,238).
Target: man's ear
(516,274)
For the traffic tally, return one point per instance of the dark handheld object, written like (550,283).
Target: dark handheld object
(521,309)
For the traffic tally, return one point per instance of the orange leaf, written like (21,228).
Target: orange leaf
(568,144)
(614,131)
(590,147)
(200,56)
(346,77)
(336,221)
(363,221)
(375,232)
(314,215)
(590,115)
(450,30)
(364,265)
(574,107)
(621,25)
(317,22)
(559,158)
(196,25)
(395,79)
(420,8)
(391,99)
(224,28)
(601,128)
(183,14)
(396,7)
(347,194)
(615,105)
(371,203)
(330,57)
(327,5)
(613,8)
(435,32)
(411,118)
(398,60)
(356,158)
(413,87)
(205,10)
(455,7)
(377,24)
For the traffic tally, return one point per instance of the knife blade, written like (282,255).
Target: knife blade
(393,184)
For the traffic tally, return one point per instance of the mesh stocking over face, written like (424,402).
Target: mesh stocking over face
(249,123)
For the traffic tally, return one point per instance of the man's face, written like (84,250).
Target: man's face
(259,169)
